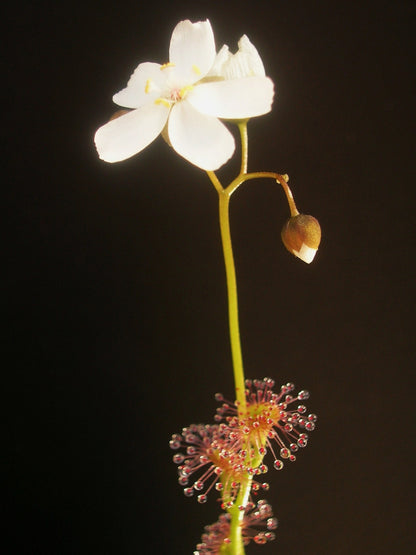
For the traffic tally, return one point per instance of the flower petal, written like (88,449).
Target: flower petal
(127,135)
(202,140)
(221,58)
(192,50)
(234,98)
(144,86)
(245,63)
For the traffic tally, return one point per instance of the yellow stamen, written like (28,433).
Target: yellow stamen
(184,90)
(163,101)
(169,64)
(196,69)
(148,86)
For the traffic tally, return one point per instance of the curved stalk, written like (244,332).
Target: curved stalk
(282,179)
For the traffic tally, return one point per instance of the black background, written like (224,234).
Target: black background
(115,292)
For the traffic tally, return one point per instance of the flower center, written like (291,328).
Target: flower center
(174,93)
(179,94)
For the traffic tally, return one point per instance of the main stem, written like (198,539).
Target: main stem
(239,380)
(236,547)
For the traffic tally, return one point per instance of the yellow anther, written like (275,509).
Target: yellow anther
(184,90)
(148,86)
(163,101)
(196,69)
(169,64)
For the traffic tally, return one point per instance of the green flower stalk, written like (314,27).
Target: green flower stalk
(255,451)
(186,100)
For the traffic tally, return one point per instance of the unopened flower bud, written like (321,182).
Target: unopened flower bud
(301,236)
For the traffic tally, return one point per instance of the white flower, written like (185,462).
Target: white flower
(246,62)
(174,95)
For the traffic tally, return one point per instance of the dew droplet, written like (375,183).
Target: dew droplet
(186,470)
(272,523)
(284,452)
(202,498)
(188,492)
(278,464)
(260,538)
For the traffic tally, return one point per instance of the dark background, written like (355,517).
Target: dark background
(115,296)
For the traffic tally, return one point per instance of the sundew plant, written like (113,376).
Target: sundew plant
(190,100)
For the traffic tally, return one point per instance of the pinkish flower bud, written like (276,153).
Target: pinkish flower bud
(301,236)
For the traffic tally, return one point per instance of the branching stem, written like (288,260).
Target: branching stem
(236,547)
